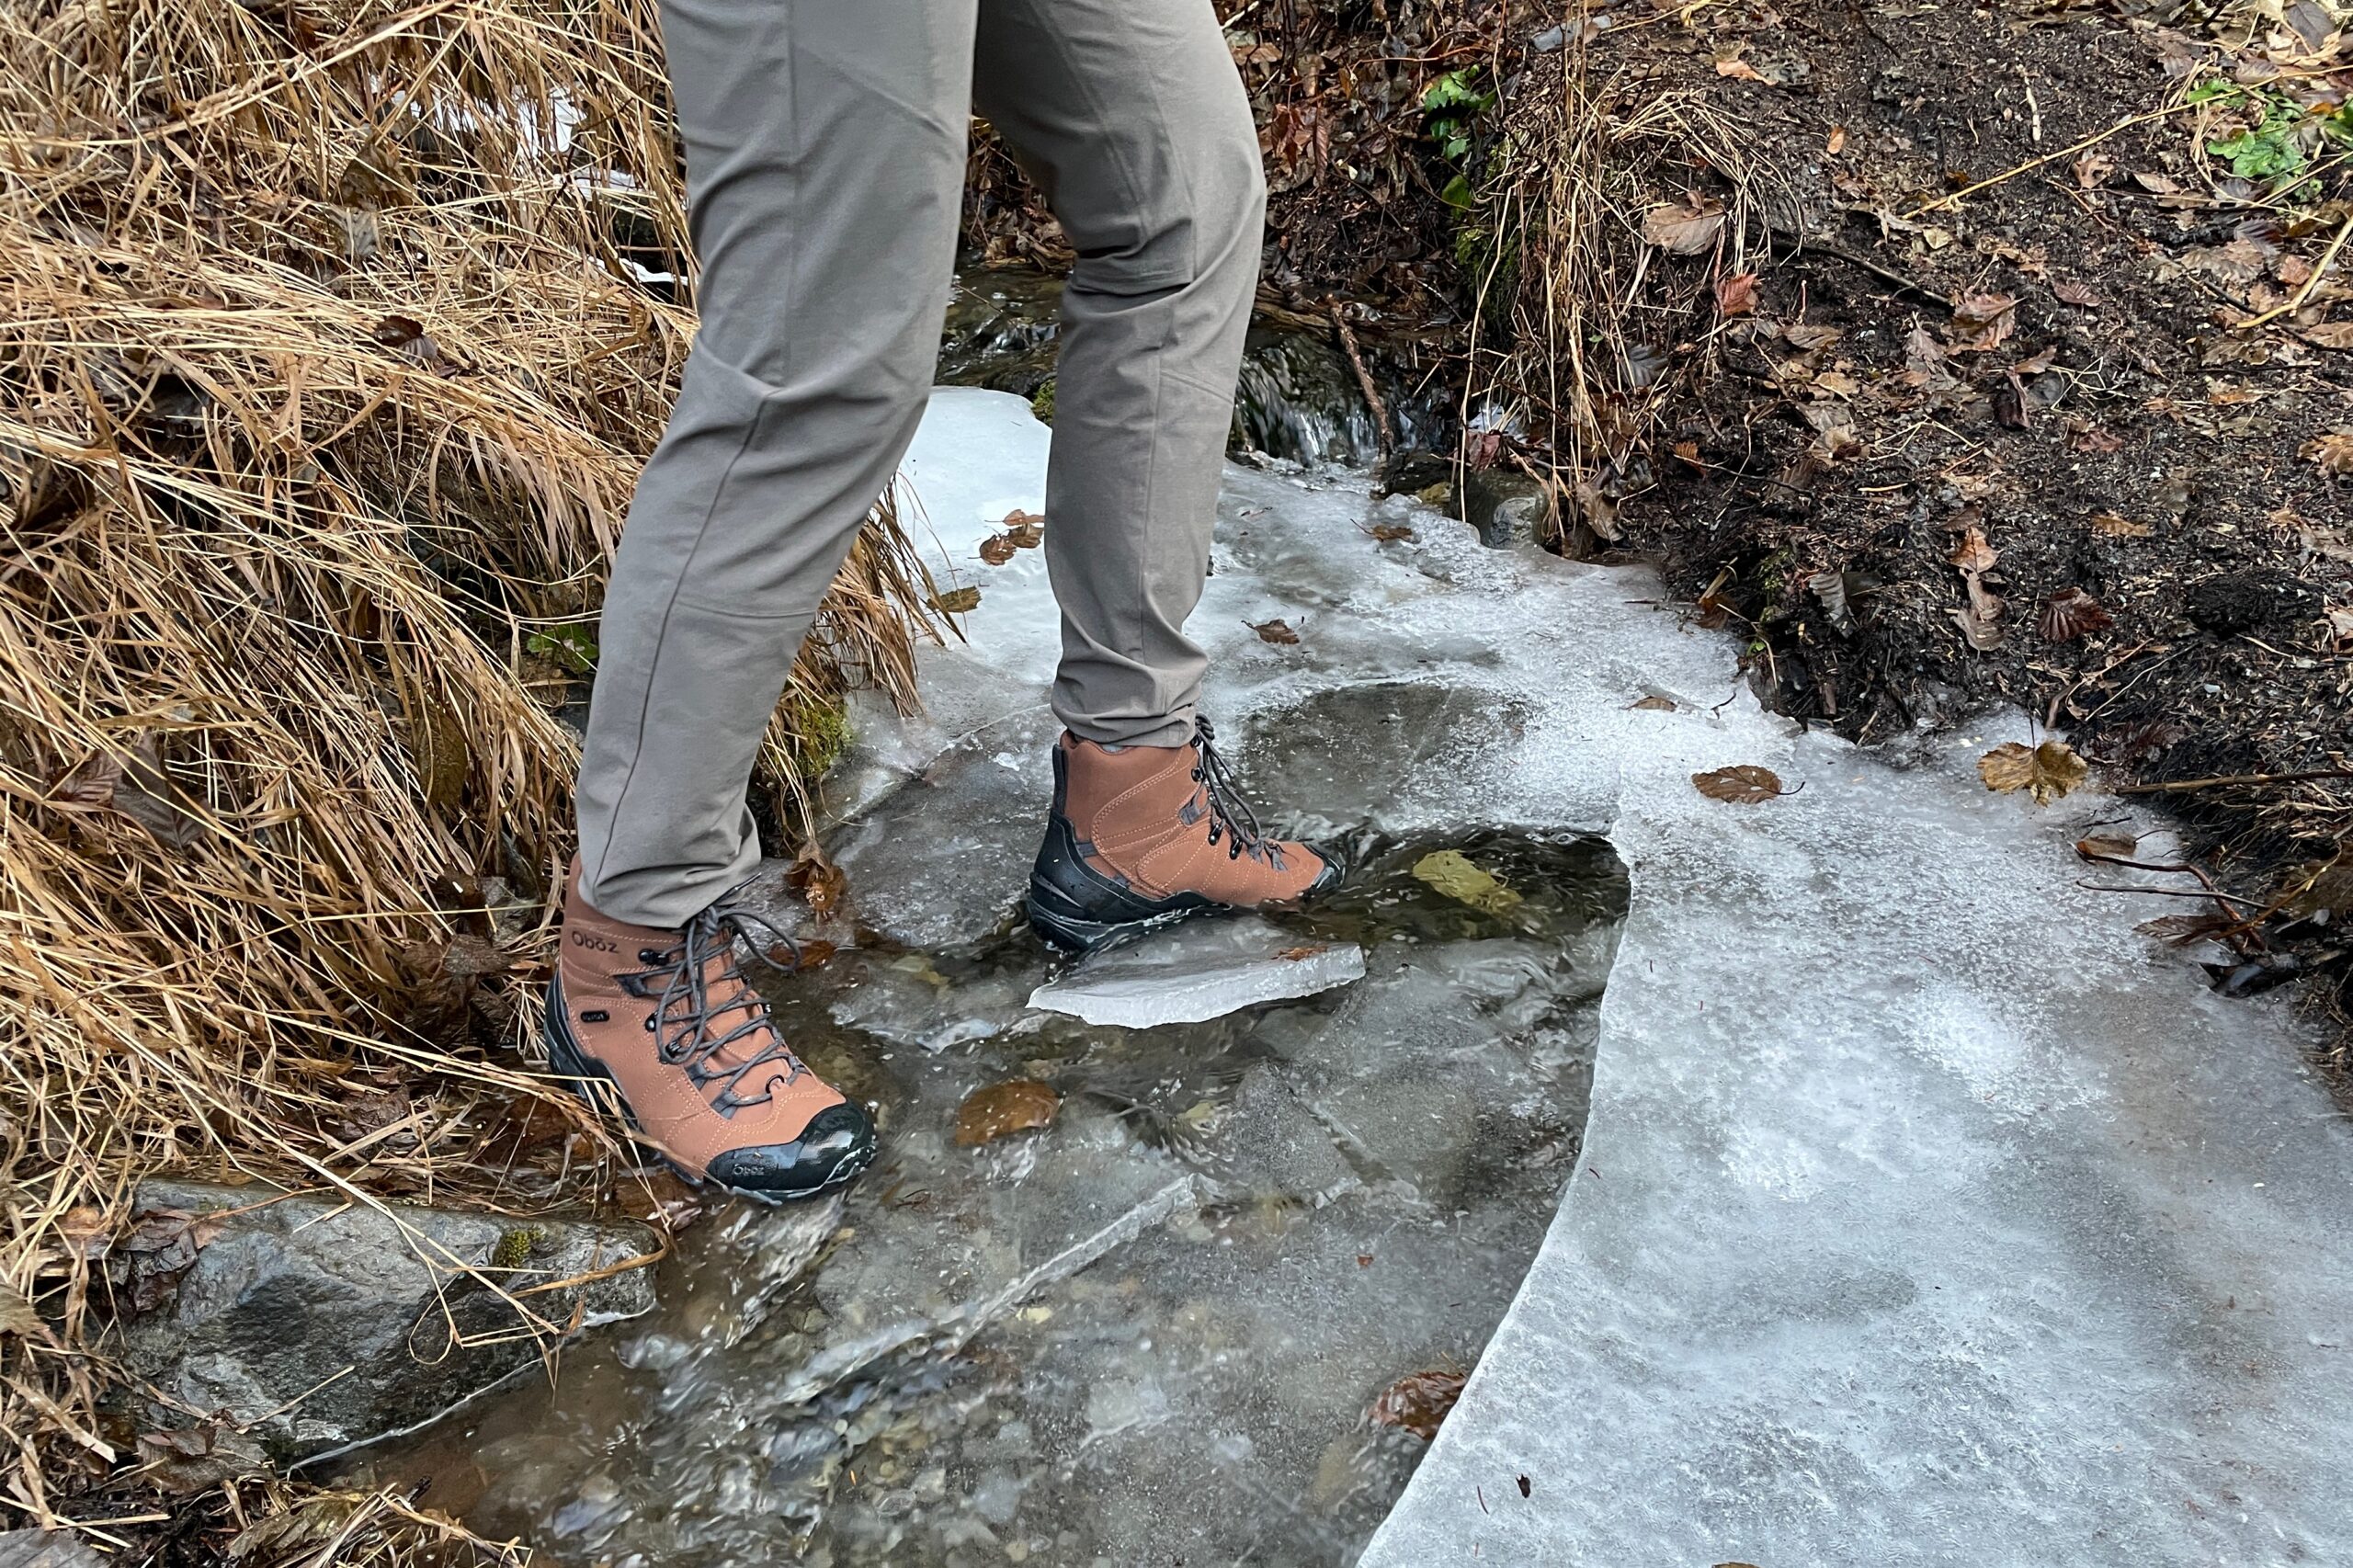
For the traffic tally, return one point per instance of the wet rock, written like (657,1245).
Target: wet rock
(44,1548)
(317,1323)
(1503,506)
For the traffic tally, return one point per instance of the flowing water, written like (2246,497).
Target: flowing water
(1298,396)
(1152,1332)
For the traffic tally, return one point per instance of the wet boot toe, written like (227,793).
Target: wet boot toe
(838,1143)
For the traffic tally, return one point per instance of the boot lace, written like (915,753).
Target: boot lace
(694,993)
(1231,817)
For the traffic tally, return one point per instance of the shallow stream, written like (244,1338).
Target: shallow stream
(1156,1330)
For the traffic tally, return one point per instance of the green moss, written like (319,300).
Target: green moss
(820,734)
(515,1247)
(1041,402)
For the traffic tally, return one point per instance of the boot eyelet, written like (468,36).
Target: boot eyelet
(647,955)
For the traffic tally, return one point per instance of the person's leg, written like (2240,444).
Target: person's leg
(826,145)
(825,165)
(1131,116)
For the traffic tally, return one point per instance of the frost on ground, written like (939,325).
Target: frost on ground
(1926,1214)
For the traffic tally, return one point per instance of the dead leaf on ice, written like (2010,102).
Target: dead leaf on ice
(1419,1402)
(1742,784)
(2048,772)
(956,601)
(2106,845)
(999,1110)
(1277,631)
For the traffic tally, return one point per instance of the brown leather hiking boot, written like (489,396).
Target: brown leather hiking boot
(1148,835)
(665,1022)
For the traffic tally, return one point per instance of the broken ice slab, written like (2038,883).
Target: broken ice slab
(1190,974)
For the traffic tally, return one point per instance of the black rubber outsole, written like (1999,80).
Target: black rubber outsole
(1055,916)
(584,1073)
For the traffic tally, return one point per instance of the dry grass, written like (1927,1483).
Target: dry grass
(1583,333)
(322,385)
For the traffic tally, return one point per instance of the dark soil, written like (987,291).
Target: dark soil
(2171,538)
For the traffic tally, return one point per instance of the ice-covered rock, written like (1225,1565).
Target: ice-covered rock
(1189,975)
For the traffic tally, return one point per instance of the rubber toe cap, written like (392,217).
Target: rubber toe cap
(838,1143)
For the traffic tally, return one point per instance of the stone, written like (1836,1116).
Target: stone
(318,1324)
(45,1549)
(1502,505)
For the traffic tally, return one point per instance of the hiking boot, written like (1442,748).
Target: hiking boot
(1144,835)
(664,1023)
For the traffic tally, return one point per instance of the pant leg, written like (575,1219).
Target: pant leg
(1130,115)
(826,143)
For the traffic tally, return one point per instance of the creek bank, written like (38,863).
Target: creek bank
(1299,398)
(308,1322)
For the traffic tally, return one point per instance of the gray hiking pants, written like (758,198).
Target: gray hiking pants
(825,147)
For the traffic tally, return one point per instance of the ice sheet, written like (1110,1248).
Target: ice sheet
(1190,974)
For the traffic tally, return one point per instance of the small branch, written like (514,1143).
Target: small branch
(2168,892)
(1364,376)
(2183,786)
(1800,243)
(2033,164)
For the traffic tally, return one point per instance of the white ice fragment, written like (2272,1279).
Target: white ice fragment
(1194,974)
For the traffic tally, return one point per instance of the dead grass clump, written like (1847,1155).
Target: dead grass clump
(325,371)
(1614,233)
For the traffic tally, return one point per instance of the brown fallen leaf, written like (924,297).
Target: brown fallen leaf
(1017,520)
(2048,772)
(1974,553)
(2333,452)
(1982,322)
(1810,337)
(1653,704)
(997,548)
(2332,334)
(1300,954)
(1391,533)
(2080,294)
(1418,1402)
(1277,631)
(1979,628)
(406,336)
(2114,526)
(1742,784)
(2070,613)
(2182,930)
(956,601)
(1000,1110)
(820,884)
(1685,229)
(1736,295)
(1836,143)
(1739,70)
(2108,845)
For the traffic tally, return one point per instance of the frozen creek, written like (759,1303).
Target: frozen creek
(1922,1213)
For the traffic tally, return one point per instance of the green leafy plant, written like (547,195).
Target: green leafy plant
(1450,108)
(2276,138)
(574,647)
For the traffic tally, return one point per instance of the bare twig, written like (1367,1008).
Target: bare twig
(1364,376)
(2183,786)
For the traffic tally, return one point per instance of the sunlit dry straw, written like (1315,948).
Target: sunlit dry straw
(324,375)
